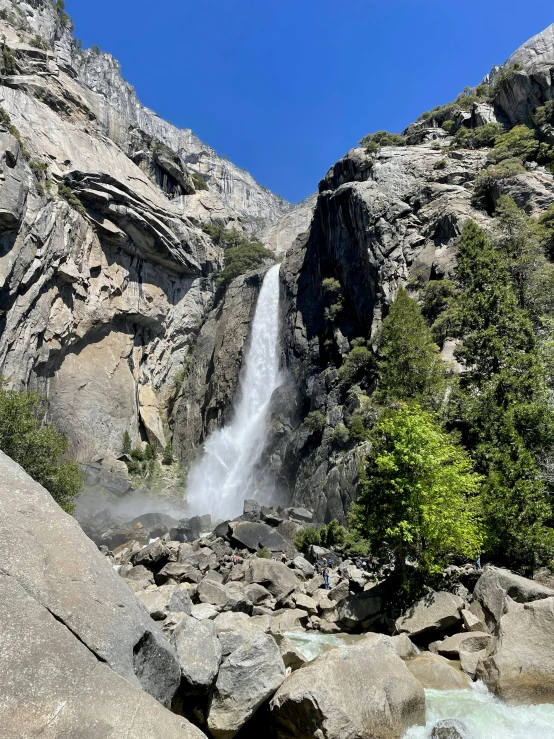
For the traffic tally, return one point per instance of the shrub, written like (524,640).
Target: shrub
(519,143)
(168,454)
(341,436)
(10,65)
(357,429)
(545,114)
(449,126)
(199,182)
(358,365)
(332,534)
(6,120)
(264,553)
(37,446)
(478,138)
(316,422)
(150,452)
(69,196)
(307,537)
(333,298)
(38,168)
(441,164)
(374,141)
(245,257)
(39,42)
(488,178)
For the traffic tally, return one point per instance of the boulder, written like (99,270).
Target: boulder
(199,653)
(472,622)
(449,728)
(257,594)
(302,565)
(153,557)
(176,572)
(299,515)
(212,593)
(289,619)
(360,608)
(433,615)
(138,574)
(274,576)
(470,660)
(474,641)
(318,554)
(291,656)
(305,603)
(252,509)
(519,666)
(161,601)
(247,678)
(255,535)
(437,673)
(288,530)
(403,645)
(204,611)
(363,690)
(52,685)
(46,552)
(496,584)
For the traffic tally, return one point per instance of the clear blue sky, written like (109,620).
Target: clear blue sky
(285,87)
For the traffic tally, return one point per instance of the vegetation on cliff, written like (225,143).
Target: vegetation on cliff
(37,446)
(241,253)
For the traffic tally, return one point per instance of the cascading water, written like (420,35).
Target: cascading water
(224,476)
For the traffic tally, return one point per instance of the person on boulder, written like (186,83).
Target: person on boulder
(284,558)
(235,558)
(326,578)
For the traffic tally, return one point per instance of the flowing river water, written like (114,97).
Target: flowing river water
(225,475)
(479,713)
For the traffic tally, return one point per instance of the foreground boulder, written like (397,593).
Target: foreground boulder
(199,653)
(52,686)
(520,664)
(363,690)
(45,551)
(274,576)
(436,672)
(247,678)
(433,615)
(497,587)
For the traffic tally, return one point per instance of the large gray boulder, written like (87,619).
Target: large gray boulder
(46,552)
(274,576)
(519,666)
(53,686)
(255,535)
(361,608)
(168,599)
(199,654)
(474,641)
(247,678)
(433,615)
(364,690)
(497,587)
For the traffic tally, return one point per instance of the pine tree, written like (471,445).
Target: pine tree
(126,446)
(501,407)
(409,362)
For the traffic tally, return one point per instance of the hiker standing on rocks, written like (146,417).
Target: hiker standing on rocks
(235,558)
(284,558)
(326,578)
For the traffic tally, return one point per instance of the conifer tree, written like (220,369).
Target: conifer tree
(409,362)
(501,407)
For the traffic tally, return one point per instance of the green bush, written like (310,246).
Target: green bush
(357,429)
(264,553)
(316,422)
(441,164)
(10,65)
(519,143)
(488,178)
(545,114)
(449,126)
(6,121)
(37,446)
(168,454)
(199,182)
(478,138)
(245,257)
(39,42)
(332,534)
(374,141)
(307,537)
(69,196)
(341,436)
(358,365)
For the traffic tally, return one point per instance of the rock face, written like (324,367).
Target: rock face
(434,614)
(282,234)
(358,691)
(45,552)
(115,283)
(53,685)
(537,54)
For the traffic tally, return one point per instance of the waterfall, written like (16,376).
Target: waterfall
(224,476)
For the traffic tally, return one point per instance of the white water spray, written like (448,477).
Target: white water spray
(224,476)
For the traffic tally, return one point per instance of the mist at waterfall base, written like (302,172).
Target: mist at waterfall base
(225,475)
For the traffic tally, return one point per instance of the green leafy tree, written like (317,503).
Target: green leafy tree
(37,446)
(418,491)
(409,362)
(359,364)
(306,537)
